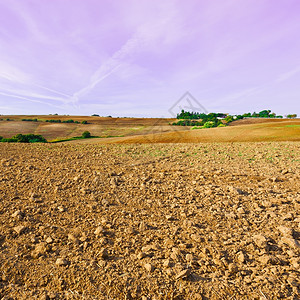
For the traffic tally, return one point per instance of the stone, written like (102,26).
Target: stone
(260,240)
(61,262)
(141,255)
(17,214)
(20,229)
(265,259)
(189,257)
(285,231)
(295,262)
(241,210)
(49,240)
(197,238)
(99,230)
(293,243)
(183,274)
(103,253)
(149,268)
(61,208)
(40,249)
(167,263)
(232,268)
(240,257)
(72,237)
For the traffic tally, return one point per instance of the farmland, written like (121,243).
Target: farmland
(150,221)
(151,213)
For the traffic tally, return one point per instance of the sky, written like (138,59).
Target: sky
(138,58)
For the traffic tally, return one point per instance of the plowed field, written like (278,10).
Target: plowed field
(163,221)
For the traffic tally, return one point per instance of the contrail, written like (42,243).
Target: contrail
(24,98)
(51,90)
(88,88)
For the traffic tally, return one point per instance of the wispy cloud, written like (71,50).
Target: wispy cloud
(288,75)
(20,84)
(27,99)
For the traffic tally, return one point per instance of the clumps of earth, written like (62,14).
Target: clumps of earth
(176,221)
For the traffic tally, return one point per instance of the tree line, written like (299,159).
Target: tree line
(209,120)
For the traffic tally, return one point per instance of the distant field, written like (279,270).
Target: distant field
(151,130)
(288,130)
(98,126)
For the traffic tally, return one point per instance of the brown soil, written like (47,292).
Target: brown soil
(164,221)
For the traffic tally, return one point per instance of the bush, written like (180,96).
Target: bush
(29,138)
(84,122)
(86,134)
(30,120)
(10,140)
(209,124)
(1,137)
(53,121)
(221,125)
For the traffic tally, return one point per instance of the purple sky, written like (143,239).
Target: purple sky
(138,57)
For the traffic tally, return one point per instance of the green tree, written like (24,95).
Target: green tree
(229,119)
(86,134)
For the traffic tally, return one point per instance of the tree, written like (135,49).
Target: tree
(86,134)
(229,119)
(292,116)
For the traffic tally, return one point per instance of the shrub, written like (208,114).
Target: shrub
(291,116)
(84,122)
(53,121)
(29,138)
(221,125)
(30,120)
(1,137)
(9,140)
(209,124)
(86,134)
